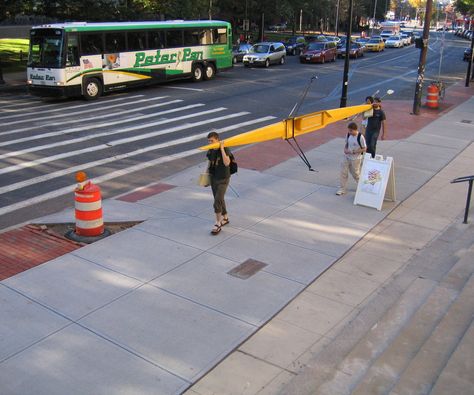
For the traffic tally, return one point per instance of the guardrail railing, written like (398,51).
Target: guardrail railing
(469,179)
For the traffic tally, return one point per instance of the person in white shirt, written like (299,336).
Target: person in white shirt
(354,150)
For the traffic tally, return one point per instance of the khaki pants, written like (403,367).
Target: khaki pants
(349,165)
(219,187)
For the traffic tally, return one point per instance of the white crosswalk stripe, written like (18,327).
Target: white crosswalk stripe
(93,105)
(120,141)
(37,159)
(87,111)
(94,127)
(59,173)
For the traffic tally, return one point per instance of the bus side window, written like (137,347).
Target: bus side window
(206,37)
(91,44)
(136,41)
(115,42)
(219,36)
(156,39)
(192,37)
(72,55)
(174,38)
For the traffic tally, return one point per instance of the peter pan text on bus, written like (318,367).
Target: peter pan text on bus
(142,60)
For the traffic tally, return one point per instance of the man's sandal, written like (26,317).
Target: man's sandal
(216,229)
(225,221)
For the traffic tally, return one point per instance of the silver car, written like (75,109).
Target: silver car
(265,54)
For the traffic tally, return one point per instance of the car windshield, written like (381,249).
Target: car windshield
(354,46)
(46,48)
(315,46)
(394,38)
(291,40)
(259,48)
(374,41)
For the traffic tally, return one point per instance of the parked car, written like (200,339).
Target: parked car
(386,34)
(405,39)
(375,44)
(355,51)
(265,54)
(332,38)
(295,45)
(467,54)
(410,35)
(319,52)
(363,41)
(320,37)
(238,52)
(278,27)
(394,42)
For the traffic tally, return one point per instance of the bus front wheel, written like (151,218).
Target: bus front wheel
(92,89)
(197,74)
(210,72)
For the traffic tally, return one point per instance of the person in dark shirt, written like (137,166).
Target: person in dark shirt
(219,162)
(375,124)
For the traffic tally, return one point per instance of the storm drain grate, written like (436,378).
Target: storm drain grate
(466,121)
(247,269)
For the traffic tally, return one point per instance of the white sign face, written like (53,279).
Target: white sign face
(376,182)
(372,179)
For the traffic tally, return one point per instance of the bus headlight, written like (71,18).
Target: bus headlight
(29,82)
(59,83)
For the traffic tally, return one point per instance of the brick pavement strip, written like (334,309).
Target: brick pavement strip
(29,246)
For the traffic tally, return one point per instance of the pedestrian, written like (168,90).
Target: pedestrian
(367,114)
(354,150)
(375,124)
(219,171)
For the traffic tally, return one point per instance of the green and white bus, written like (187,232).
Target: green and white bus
(88,59)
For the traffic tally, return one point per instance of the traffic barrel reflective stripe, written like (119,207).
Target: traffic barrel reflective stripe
(432,98)
(88,210)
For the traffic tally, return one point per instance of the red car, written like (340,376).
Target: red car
(319,52)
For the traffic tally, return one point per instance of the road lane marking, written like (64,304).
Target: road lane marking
(118,173)
(94,109)
(114,114)
(183,88)
(118,131)
(52,158)
(69,107)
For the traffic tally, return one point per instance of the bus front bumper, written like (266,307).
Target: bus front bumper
(54,91)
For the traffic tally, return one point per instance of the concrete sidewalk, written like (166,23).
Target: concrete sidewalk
(13,82)
(153,309)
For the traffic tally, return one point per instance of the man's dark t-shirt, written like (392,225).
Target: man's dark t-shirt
(374,123)
(217,169)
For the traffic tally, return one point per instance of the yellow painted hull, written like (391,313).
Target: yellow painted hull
(292,127)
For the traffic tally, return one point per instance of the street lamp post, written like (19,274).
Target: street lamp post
(345,78)
(469,66)
(373,20)
(337,17)
(422,62)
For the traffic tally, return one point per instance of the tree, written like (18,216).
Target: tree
(465,7)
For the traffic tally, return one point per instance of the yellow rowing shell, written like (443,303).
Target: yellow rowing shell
(292,127)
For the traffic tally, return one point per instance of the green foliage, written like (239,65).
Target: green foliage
(14,52)
(465,7)
(317,14)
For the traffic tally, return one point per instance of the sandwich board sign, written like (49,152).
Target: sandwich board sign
(376,182)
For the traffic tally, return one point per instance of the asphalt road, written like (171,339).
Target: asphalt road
(135,138)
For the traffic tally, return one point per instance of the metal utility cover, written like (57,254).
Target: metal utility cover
(247,269)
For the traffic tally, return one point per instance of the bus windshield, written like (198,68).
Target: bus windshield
(46,48)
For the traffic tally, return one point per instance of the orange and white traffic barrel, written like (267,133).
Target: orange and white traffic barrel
(88,208)
(432,98)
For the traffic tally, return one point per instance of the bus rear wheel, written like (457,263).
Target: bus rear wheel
(197,74)
(92,89)
(209,72)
